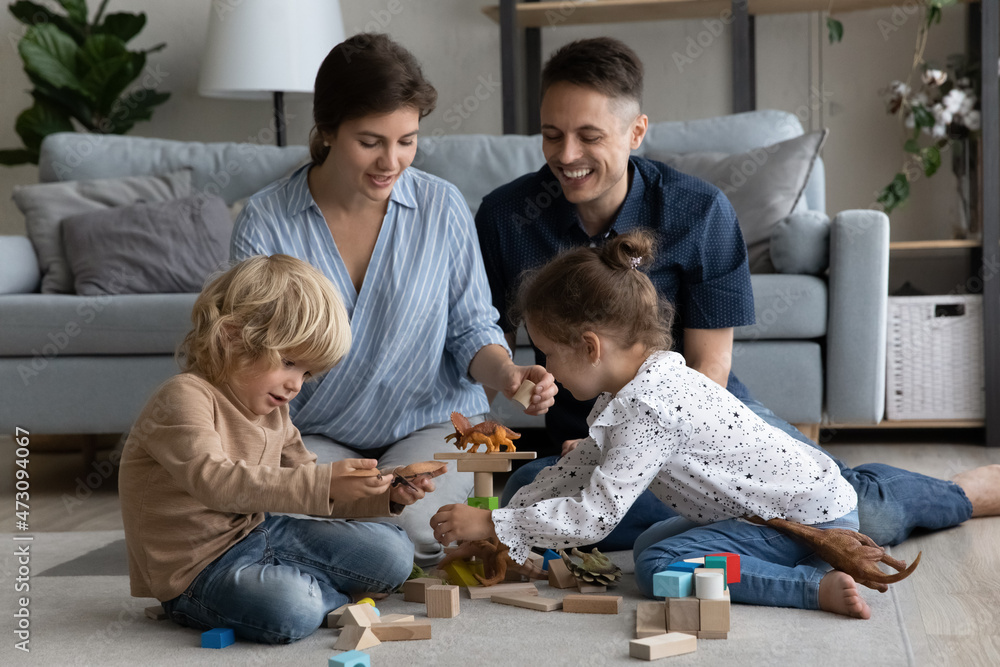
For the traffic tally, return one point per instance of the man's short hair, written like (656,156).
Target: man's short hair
(603,64)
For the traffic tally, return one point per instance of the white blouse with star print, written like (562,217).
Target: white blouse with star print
(693,444)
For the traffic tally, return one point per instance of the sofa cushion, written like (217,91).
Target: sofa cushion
(19,272)
(167,247)
(46,205)
(42,326)
(786,307)
(800,243)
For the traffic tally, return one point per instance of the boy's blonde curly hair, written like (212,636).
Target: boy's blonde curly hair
(265,308)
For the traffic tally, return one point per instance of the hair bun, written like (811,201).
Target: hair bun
(633,250)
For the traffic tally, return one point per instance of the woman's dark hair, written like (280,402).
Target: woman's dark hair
(365,74)
(603,289)
(603,64)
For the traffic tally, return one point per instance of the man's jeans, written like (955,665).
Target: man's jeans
(892,502)
(277,584)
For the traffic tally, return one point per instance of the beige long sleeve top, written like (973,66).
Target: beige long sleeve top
(198,473)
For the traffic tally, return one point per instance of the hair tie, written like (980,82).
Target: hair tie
(636,261)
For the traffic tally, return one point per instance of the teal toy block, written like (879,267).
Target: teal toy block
(673,584)
(683,567)
(491,503)
(217,638)
(350,659)
(732,566)
(719,562)
(549,555)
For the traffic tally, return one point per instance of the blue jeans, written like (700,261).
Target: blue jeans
(276,585)
(892,502)
(775,570)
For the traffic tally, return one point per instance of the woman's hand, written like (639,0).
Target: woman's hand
(356,478)
(423,483)
(570,445)
(461,522)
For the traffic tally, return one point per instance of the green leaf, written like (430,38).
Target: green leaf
(895,193)
(15,156)
(134,107)
(933,15)
(911,146)
(122,25)
(50,54)
(107,69)
(75,104)
(931,157)
(77,10)
(38,122)
(835,28)
(922,117)
(33,14)
(941,3)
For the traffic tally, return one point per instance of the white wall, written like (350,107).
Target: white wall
(798,71)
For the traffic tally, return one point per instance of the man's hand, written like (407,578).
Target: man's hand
(570,445)
(356,478)
(424,483)
(461,522)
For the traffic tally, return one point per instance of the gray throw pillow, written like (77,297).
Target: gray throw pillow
(764,185)
(46,205)
(167,247)
(801,243)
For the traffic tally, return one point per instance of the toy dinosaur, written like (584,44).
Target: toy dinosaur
(490,433)
(493,553)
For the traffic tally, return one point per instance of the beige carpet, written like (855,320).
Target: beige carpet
(77,619)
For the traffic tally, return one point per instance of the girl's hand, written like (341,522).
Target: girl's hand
(461,522)
(570,445)
(356,478)
(424,483)
(543,395)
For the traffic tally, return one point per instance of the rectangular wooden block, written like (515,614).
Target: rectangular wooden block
(560,576)
(156,613)
(535,602)
(481,592)
(700,560)
(706,634)
(715,615)
(490,464)
(402,632)
(650,619)
(460,573)
(414,590)
(592,604)
(683,615)
(663,646)
(397,618)
(442,601)
(459,456)
(590,588)
(673,584)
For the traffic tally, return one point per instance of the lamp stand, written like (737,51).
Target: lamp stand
(279,117)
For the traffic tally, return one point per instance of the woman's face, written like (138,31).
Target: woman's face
(371,152)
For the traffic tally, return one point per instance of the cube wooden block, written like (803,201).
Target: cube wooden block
(536,559)
(662,646)
(491,503)
(535,602)
(720,563)
(442,601)
(683,615)
(560,576)
(481,592)
(350,659)
(673,584)
(156,613)
(714,615)
(402,631)
(592,604)
(355,638)
(414,590)
(650,619)
(732,566)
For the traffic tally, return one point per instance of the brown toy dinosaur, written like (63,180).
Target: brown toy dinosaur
(493,553)
(490,433)
(848,551)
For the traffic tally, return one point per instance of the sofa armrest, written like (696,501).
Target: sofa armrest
(856,326)
(19,271)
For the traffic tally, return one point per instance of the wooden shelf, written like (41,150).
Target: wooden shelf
(942,244)
(560,12)
(912,423)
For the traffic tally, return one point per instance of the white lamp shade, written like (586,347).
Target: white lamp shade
(258,47)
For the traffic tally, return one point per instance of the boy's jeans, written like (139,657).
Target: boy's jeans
(277,584)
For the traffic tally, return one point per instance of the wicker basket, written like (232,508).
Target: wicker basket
(935,358)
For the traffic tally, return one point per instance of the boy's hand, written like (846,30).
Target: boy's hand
(356,478)
(461,522)
(424,483)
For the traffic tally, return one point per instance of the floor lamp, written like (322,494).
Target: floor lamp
(260,49)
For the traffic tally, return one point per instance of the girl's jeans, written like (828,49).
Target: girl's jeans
(277,584)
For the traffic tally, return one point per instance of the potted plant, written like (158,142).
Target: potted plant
(82,72)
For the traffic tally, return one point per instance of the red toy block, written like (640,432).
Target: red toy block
(732,567)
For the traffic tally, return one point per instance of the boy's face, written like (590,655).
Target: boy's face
(263,389)
(586,139)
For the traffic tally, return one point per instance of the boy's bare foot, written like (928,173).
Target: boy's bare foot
(982,486)
(838,593)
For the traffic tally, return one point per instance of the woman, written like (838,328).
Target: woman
(401,247)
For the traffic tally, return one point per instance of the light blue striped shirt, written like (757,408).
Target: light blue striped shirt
(423,313)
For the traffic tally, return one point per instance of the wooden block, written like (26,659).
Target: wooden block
(683,567)
(700,560)
(460,574)
(156,613)
(414,589)
(662,646)
(732,566)
(673,584)
(482,484)
(481,592)
(535,602)
(709,583)
(397,618)
(350,659)
(333,618)
(491,503)
(442,601)
(650,619)
(359,614)
(459,456)
(355,638)
(719,562)
(714,615)
(523,393)
(590,588)
(707,634)
(560,576)
(483,465)
(683,615)
(401,632)
(537,559)
(592,604)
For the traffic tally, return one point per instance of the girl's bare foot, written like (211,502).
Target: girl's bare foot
(838,593)
(982,487)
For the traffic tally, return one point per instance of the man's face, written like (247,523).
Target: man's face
(587,138)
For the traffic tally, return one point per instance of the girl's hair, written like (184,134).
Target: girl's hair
(365,74)
(266,308)
(604,289)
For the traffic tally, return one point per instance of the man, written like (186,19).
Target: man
(591,189)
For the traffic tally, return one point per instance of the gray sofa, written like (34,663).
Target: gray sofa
(74,364)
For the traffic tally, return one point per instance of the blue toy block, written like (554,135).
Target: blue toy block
(217,638)
(673,584)
(350,659)
(549,555)
(684,567)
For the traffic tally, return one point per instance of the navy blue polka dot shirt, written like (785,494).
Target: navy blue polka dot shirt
(700,266)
